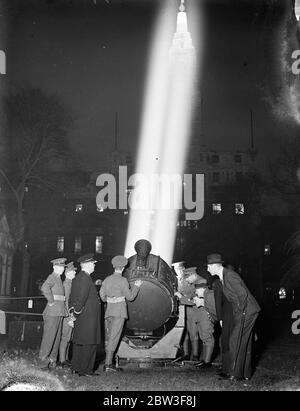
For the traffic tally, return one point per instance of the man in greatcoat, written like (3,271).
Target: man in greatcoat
(85,308)
(115,291)
(245,311)
(53,315)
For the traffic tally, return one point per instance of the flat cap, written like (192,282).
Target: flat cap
(119,261)
(87,258)
(59,261)
(70,267)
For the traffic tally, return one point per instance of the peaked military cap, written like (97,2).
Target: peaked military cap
(70,267)
(119,261)
(59,261)
(214,259)
(87,258)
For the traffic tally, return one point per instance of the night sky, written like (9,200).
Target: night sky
(95,57)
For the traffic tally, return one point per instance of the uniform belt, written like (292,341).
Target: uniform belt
(58,297)
(115,299)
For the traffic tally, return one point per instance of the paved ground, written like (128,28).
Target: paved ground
(278,368)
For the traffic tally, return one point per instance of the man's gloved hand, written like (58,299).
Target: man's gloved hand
(138,283)
(98,282)
(178,294)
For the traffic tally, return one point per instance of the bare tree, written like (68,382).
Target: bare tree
(36,129)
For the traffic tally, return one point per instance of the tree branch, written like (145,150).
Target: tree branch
(15,192)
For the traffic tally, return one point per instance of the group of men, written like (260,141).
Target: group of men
(73,311)
(211,294)
(216,293)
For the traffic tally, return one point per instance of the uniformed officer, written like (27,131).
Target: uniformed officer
(53,314)
(187,290)
(85,307)
(197,321)
(205,315)
(68,323)
(115,290)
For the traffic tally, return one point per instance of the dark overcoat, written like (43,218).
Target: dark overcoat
(238,294)
(85,300)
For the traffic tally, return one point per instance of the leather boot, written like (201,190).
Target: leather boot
(109,357)
(185,347)
(195,350)
(206,357)
(208,353)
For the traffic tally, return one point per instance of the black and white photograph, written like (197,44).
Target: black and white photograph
(149,198)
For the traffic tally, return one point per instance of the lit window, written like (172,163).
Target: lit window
(216,177)
(282,293)
(60,244)
(217,208)
(78,245)
(267,249)
(238,158)
(239,208)
(78,208)
(99,244)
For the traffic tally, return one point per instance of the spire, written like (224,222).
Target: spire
(182,40)
(182,26)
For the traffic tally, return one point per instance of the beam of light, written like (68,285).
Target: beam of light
(285,104)
(165,131)
(297,9)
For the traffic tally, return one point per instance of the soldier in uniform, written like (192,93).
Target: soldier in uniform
(245,311)
(201,321)
(68,323)
(205,315)
(187,290)
(53,314)
(85,307)
(114,291)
